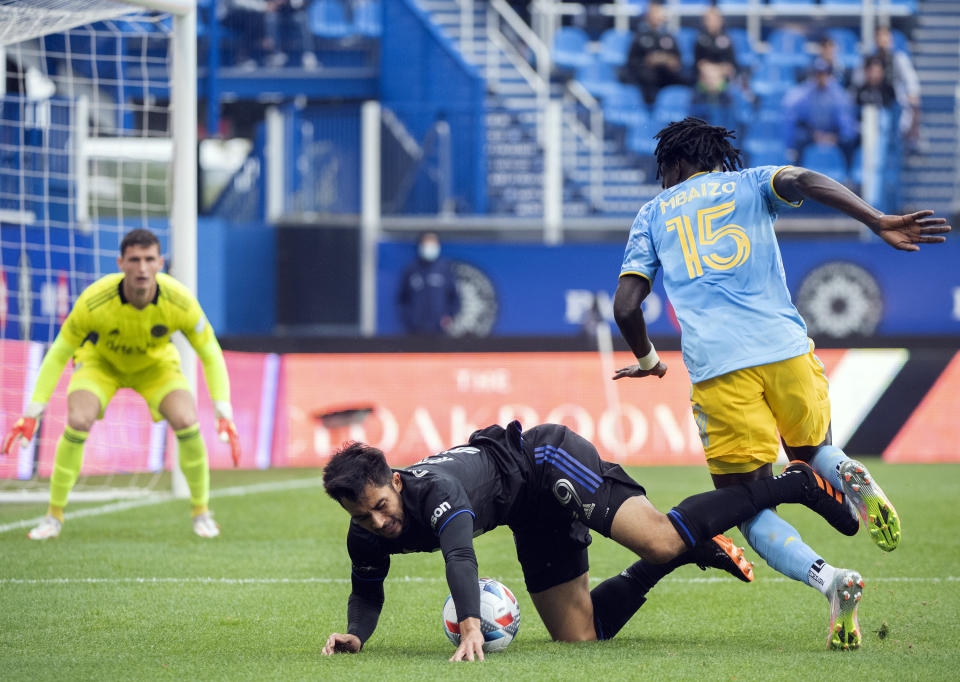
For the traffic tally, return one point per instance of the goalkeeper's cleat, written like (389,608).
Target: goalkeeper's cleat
(205,526)
(826,500)
(873,506)
(845,593)
(48,528)
(722,553)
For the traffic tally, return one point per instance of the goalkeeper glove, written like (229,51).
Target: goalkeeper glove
(226,429)
(24,429)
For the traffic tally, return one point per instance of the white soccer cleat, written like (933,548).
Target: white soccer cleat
(48,528)
(205,526)
(871,503)
(845,593)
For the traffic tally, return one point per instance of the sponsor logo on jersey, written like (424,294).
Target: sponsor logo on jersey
(438,512)
(114,332)
(159,330)
(435,459)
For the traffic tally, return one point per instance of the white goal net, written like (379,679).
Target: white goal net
(87,148)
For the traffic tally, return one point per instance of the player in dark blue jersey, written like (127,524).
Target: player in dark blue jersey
(549,485)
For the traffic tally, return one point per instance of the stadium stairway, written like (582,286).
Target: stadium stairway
(514,156)
(930,171)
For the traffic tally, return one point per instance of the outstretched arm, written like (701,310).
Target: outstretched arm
(456,543)
(631,290)
(902,232)
(364,604)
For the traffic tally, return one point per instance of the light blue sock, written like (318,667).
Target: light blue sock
(826,461)
(779,544)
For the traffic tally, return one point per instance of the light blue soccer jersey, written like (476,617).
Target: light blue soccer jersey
(712,235)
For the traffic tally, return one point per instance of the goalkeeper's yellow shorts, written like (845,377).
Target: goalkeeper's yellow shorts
(740,413)
(103,379)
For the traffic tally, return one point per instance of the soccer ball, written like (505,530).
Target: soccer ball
(499,616)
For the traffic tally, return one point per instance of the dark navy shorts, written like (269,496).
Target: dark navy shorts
(572,491)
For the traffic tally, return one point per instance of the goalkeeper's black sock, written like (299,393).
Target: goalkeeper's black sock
(700,517)
(616,599)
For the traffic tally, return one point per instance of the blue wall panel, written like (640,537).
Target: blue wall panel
(543,290)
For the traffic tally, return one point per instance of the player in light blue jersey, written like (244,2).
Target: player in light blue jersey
(745,345)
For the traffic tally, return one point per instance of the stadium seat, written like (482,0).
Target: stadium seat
(640,138)
(615,46)
(686,40)
(672,103)
(826,159)
(765,151)
(328,19)
(367,18)
(770,78)
(598,77)
(625,106)
(571,48)
(746,55)
(786,41)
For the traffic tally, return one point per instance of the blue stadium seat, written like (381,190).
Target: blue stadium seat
(598,77)
(672,103)
(765,151)
(746,55)
(571,48)
(787,41)
(686,39)
(328,19)
(640,138)
(367,18)
(625,106)
(826,159)
(615,46)
(770,78)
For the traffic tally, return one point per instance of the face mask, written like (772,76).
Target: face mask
(429,251)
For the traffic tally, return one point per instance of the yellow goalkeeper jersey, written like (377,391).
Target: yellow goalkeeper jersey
(104,325)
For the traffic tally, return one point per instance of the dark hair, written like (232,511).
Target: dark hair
(138,237)
(352,469)
(698,143)
(874,60)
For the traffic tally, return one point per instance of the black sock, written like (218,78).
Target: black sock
(700,517)
(616,599)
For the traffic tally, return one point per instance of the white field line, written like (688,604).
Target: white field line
(160,498)
(396,579)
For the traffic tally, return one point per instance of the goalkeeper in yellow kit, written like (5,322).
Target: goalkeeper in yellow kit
(118,334)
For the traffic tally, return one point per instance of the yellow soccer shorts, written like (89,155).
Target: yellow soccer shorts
(740,413)
(153,384)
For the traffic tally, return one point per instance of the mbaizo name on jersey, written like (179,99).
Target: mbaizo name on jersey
(706,189)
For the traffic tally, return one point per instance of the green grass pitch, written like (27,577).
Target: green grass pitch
(134,595)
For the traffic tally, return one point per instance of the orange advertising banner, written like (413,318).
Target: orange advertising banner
(932,432)
(422,404)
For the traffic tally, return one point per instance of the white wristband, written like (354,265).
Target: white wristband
(34,410)
(223,409)
(650,360)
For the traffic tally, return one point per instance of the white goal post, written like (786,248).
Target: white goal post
(105,182)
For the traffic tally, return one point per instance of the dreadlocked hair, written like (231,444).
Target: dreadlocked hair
(698,143)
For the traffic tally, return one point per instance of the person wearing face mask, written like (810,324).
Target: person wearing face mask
(428,298)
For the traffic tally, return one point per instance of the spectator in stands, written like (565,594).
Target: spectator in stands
(428,298)
(899,72)
(286,24)
(714,49)
(819,111)
(244,21)
(876,89)
(654,57)
(828,53)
